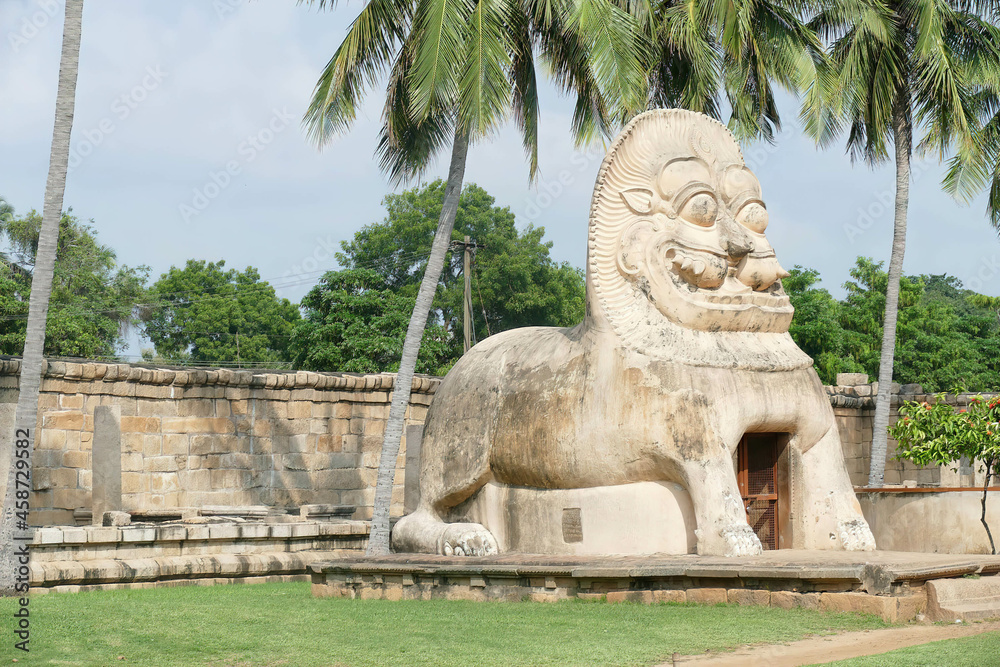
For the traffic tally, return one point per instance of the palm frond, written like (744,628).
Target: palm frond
(524,100)
(440,28)
(358,63)
(484,90)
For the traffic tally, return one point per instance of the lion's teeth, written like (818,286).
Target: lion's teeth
(686,264)
(698,268)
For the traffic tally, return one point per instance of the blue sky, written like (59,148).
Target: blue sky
(187,143)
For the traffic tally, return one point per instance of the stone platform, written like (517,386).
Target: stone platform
(893,585)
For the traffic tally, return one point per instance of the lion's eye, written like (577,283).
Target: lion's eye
(700,209)
(753,216)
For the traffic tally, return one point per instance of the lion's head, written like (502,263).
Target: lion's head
(677,233)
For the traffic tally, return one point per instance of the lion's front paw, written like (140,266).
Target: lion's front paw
(467,539)
(741,541)
(855,535)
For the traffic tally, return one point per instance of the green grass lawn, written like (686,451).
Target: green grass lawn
(978,651)
(282,624)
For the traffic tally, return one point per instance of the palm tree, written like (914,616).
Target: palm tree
(457,70)
(900,65)
(12,526)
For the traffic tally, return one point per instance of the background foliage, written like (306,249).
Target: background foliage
(94,300)
(205,313)
(944,342)
(356,317)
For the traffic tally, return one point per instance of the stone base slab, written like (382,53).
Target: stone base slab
(204,581)
(69,576)
(887,584)
(85,558)
(965,599)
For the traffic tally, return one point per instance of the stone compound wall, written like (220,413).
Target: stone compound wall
(194,438)
(197,438)
(854,407)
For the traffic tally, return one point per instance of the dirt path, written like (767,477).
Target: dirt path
(819,650)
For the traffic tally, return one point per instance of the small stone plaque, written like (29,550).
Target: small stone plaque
(572,525)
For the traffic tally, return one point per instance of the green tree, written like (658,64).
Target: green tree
(355,321)
(459,70)
(6,210)
(944,341)
(816,325)
(901,65)
(93,300)
(13,522)
(932,349)
(514,280)
(206,314)
(515,284)
(940,434)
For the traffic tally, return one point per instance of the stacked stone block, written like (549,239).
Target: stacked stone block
(192,438)
(854,408)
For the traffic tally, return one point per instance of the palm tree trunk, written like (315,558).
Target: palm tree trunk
(378,541)
(26,417)
(903,138)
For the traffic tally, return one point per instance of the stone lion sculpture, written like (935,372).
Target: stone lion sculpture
(683,351)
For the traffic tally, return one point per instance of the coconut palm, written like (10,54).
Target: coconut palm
(457,71)
(26,416)
(901,66)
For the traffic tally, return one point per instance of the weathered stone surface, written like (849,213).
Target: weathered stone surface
(877,605)
(686,316)
(147,397)
(952,600)
(115,518)
(749,597)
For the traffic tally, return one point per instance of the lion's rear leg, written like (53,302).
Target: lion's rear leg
(450,472)
(722,523)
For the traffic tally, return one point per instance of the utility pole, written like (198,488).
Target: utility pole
(467,301)
(468,247)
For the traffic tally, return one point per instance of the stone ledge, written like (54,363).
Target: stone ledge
(396,586)
(892,585)
(186,377)
(221,532)
(203,581)
(57,574)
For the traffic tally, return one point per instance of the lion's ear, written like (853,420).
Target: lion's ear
(639,200)
(632,247)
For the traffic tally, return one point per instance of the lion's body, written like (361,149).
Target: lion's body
(684,351)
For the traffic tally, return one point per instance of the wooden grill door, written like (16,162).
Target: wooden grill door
(757,465)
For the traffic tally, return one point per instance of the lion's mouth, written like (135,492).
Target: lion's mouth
(713,280)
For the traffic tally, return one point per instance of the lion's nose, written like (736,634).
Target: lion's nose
(739,248)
